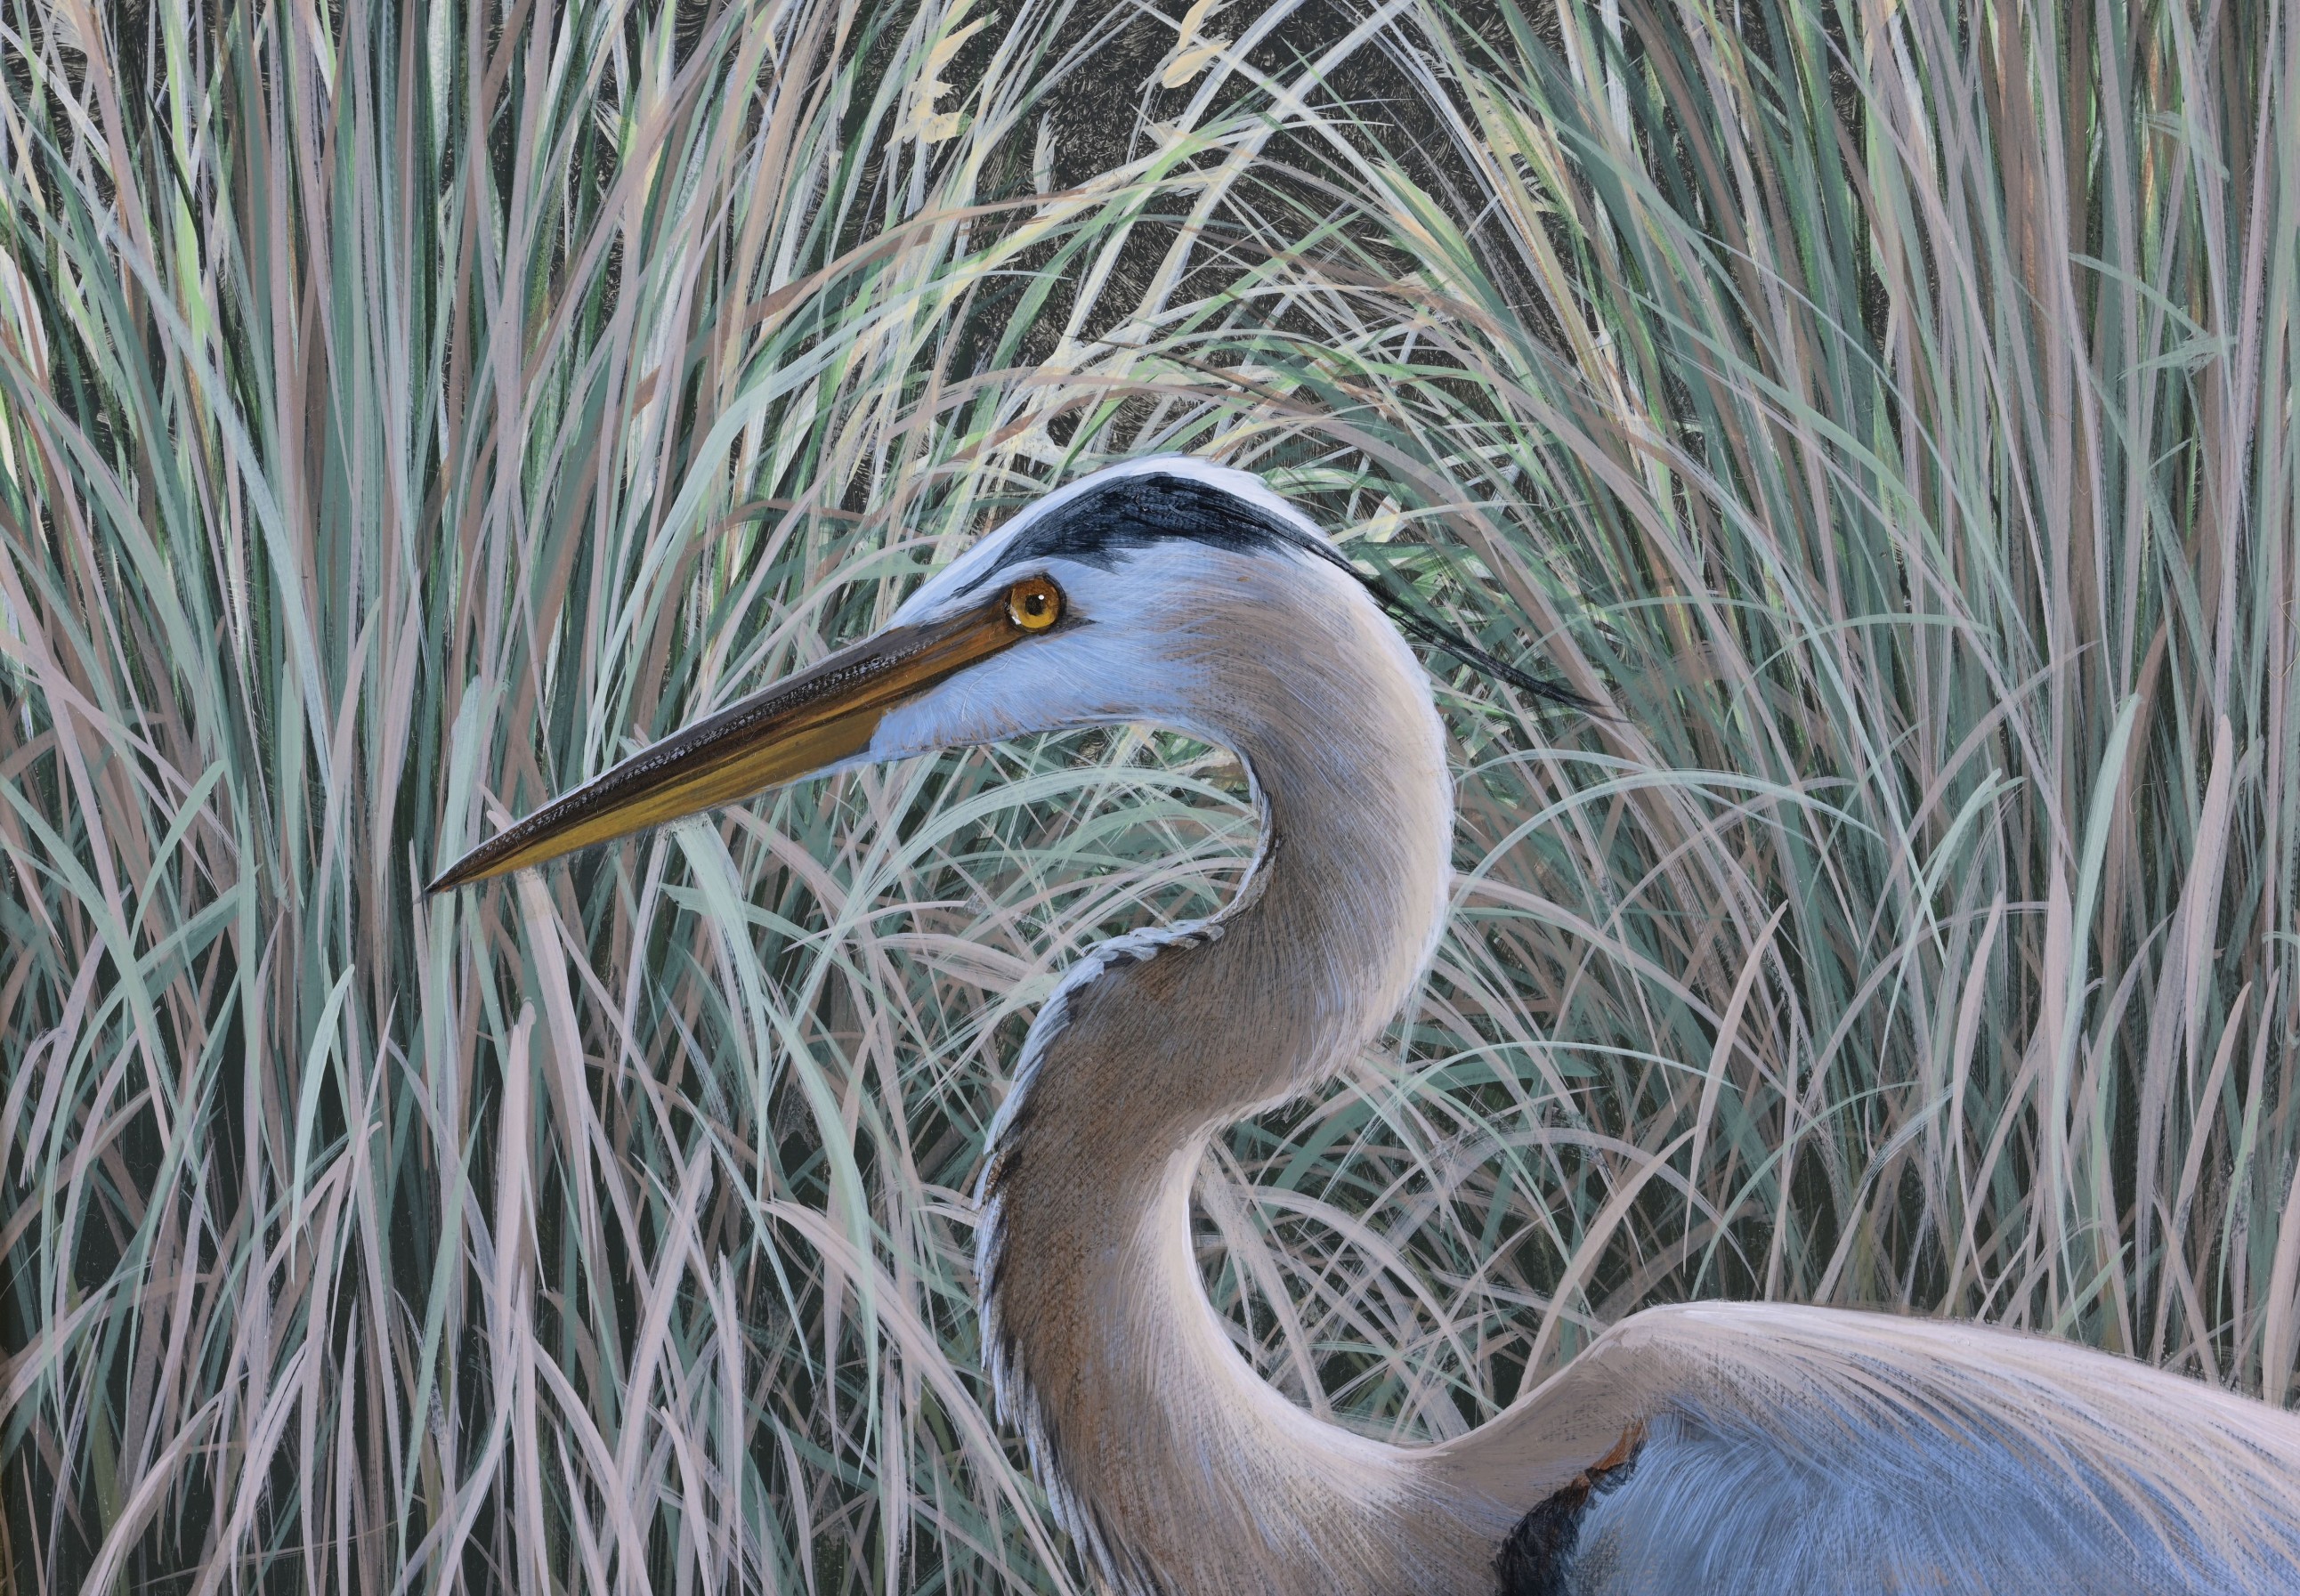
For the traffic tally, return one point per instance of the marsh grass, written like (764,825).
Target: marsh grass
(404,412)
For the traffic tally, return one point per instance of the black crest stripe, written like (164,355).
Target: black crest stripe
(1134,513)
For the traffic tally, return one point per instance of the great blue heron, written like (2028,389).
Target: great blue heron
(1710,1447)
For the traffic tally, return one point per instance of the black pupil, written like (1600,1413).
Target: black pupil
(1034,605)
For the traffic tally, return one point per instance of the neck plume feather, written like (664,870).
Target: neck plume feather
(1178,1467)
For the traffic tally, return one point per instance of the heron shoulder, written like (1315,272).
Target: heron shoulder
(1789,1449)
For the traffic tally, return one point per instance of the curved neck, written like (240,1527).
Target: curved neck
(1178,1466)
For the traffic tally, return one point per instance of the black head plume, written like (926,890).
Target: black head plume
(1410,621)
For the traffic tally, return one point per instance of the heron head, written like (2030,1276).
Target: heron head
(1165,591)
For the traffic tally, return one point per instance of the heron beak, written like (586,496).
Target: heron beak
(793,729)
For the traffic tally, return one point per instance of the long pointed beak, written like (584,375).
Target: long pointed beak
(793,729)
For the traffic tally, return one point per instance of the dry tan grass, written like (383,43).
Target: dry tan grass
(405,410)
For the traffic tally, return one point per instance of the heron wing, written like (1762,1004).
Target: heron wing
(1798,1450)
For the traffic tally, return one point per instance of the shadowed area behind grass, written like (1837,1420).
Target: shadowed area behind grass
(406,412)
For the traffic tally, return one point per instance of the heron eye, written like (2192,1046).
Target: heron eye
(1033,604)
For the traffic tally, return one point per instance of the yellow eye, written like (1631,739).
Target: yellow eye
(1033,604)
